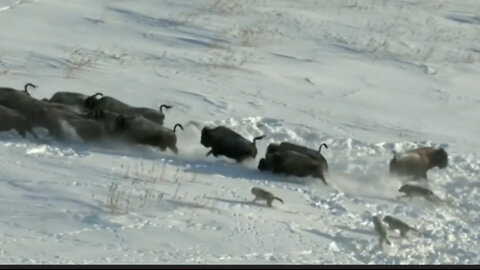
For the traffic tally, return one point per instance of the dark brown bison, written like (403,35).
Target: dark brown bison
(292,163)
(6,90)
(140,130)
(314,154)
(226,142)
(70,99)
(10,119)
(117,106)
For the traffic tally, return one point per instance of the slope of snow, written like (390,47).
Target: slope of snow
(365,76)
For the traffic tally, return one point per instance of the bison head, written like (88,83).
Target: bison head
(206,137)
(439,158)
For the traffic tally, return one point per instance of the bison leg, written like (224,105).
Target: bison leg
(276,170)
(240,159)
(209,152)
(174,149)
(323,179)
(21,132)
(215,154)
(33,134)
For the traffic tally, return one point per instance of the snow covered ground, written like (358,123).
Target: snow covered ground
(365,76)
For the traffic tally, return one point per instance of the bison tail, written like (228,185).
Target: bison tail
(165,106)
(258,138)
(25,88)
(278,199)
(320,148)
(177,125)
(323,179)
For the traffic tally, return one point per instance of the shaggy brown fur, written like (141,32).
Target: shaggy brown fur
(415,163)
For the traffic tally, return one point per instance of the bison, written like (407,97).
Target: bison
(314,154)
(10,90)
(143,131)
(292,163)
(227,142)
(10,119)
(415,163)
(117,106)
(70,98)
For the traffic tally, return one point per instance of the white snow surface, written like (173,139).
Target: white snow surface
(364,76)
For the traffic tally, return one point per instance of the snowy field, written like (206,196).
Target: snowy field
(364,76)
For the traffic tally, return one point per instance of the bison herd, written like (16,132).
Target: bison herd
(99,117)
